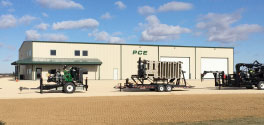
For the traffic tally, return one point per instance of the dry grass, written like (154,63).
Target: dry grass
(131,109)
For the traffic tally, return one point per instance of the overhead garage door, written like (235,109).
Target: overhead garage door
(185,65)
(213,64)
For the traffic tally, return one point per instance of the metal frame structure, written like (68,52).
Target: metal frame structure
(162,76)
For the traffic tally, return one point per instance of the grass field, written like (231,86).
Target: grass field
(164,109)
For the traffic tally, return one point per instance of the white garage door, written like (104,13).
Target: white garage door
(213,64)
(185,64)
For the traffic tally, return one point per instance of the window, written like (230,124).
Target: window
(29,53)
(77,52)
(29,71)
(85,53)
(53,52)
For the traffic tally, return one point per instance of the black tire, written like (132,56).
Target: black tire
(168,88)
(250,87)
(160,88)
(69,87)
(260,85)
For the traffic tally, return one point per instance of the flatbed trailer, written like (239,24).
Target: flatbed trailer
(67,88)
(161,76)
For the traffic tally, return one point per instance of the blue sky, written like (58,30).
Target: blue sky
(225,23)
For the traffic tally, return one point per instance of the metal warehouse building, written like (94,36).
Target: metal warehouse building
(116,61)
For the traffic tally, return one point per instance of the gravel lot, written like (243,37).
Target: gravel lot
(9,89)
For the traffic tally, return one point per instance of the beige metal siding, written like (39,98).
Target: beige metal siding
(214,53)
(129,60)
(108,54)
(112,56)
(180,52)
(24,50)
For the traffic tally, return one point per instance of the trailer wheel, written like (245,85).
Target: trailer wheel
(168,88)
(160,88)
(69,87)
(261,85)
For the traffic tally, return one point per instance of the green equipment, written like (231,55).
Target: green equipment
(71,79)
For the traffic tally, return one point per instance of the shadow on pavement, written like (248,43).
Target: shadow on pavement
(228,88)
(145,90)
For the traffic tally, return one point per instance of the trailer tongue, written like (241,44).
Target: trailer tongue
(156,75)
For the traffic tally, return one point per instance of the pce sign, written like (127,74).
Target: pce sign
(140,52)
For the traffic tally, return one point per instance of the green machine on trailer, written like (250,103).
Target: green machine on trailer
(69,81)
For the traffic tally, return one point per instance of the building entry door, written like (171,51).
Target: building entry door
(115,74)
(38,73)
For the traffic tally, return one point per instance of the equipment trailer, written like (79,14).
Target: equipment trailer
(247,75)
(162,76)
(72,79)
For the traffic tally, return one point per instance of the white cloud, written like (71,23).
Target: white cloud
(60,4)
(34,35)
(100,36)
(120,5)
(79,24)
(155,31)
(175,6)
(104,36)
(146,10)
(6,3)
(27,19)
(7,21)
(55,37)
(45,15)
(42,26)
(218,27)
(114,39)
(106,16)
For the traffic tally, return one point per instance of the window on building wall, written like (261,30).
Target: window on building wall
(29,71)
(77,52)
(29,53)
(85,53)
(53,52)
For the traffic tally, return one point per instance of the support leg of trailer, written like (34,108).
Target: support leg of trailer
(86,84)
(41,85)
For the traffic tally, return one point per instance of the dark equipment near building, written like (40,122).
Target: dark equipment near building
(247,75)
(162,76)
(71,79)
